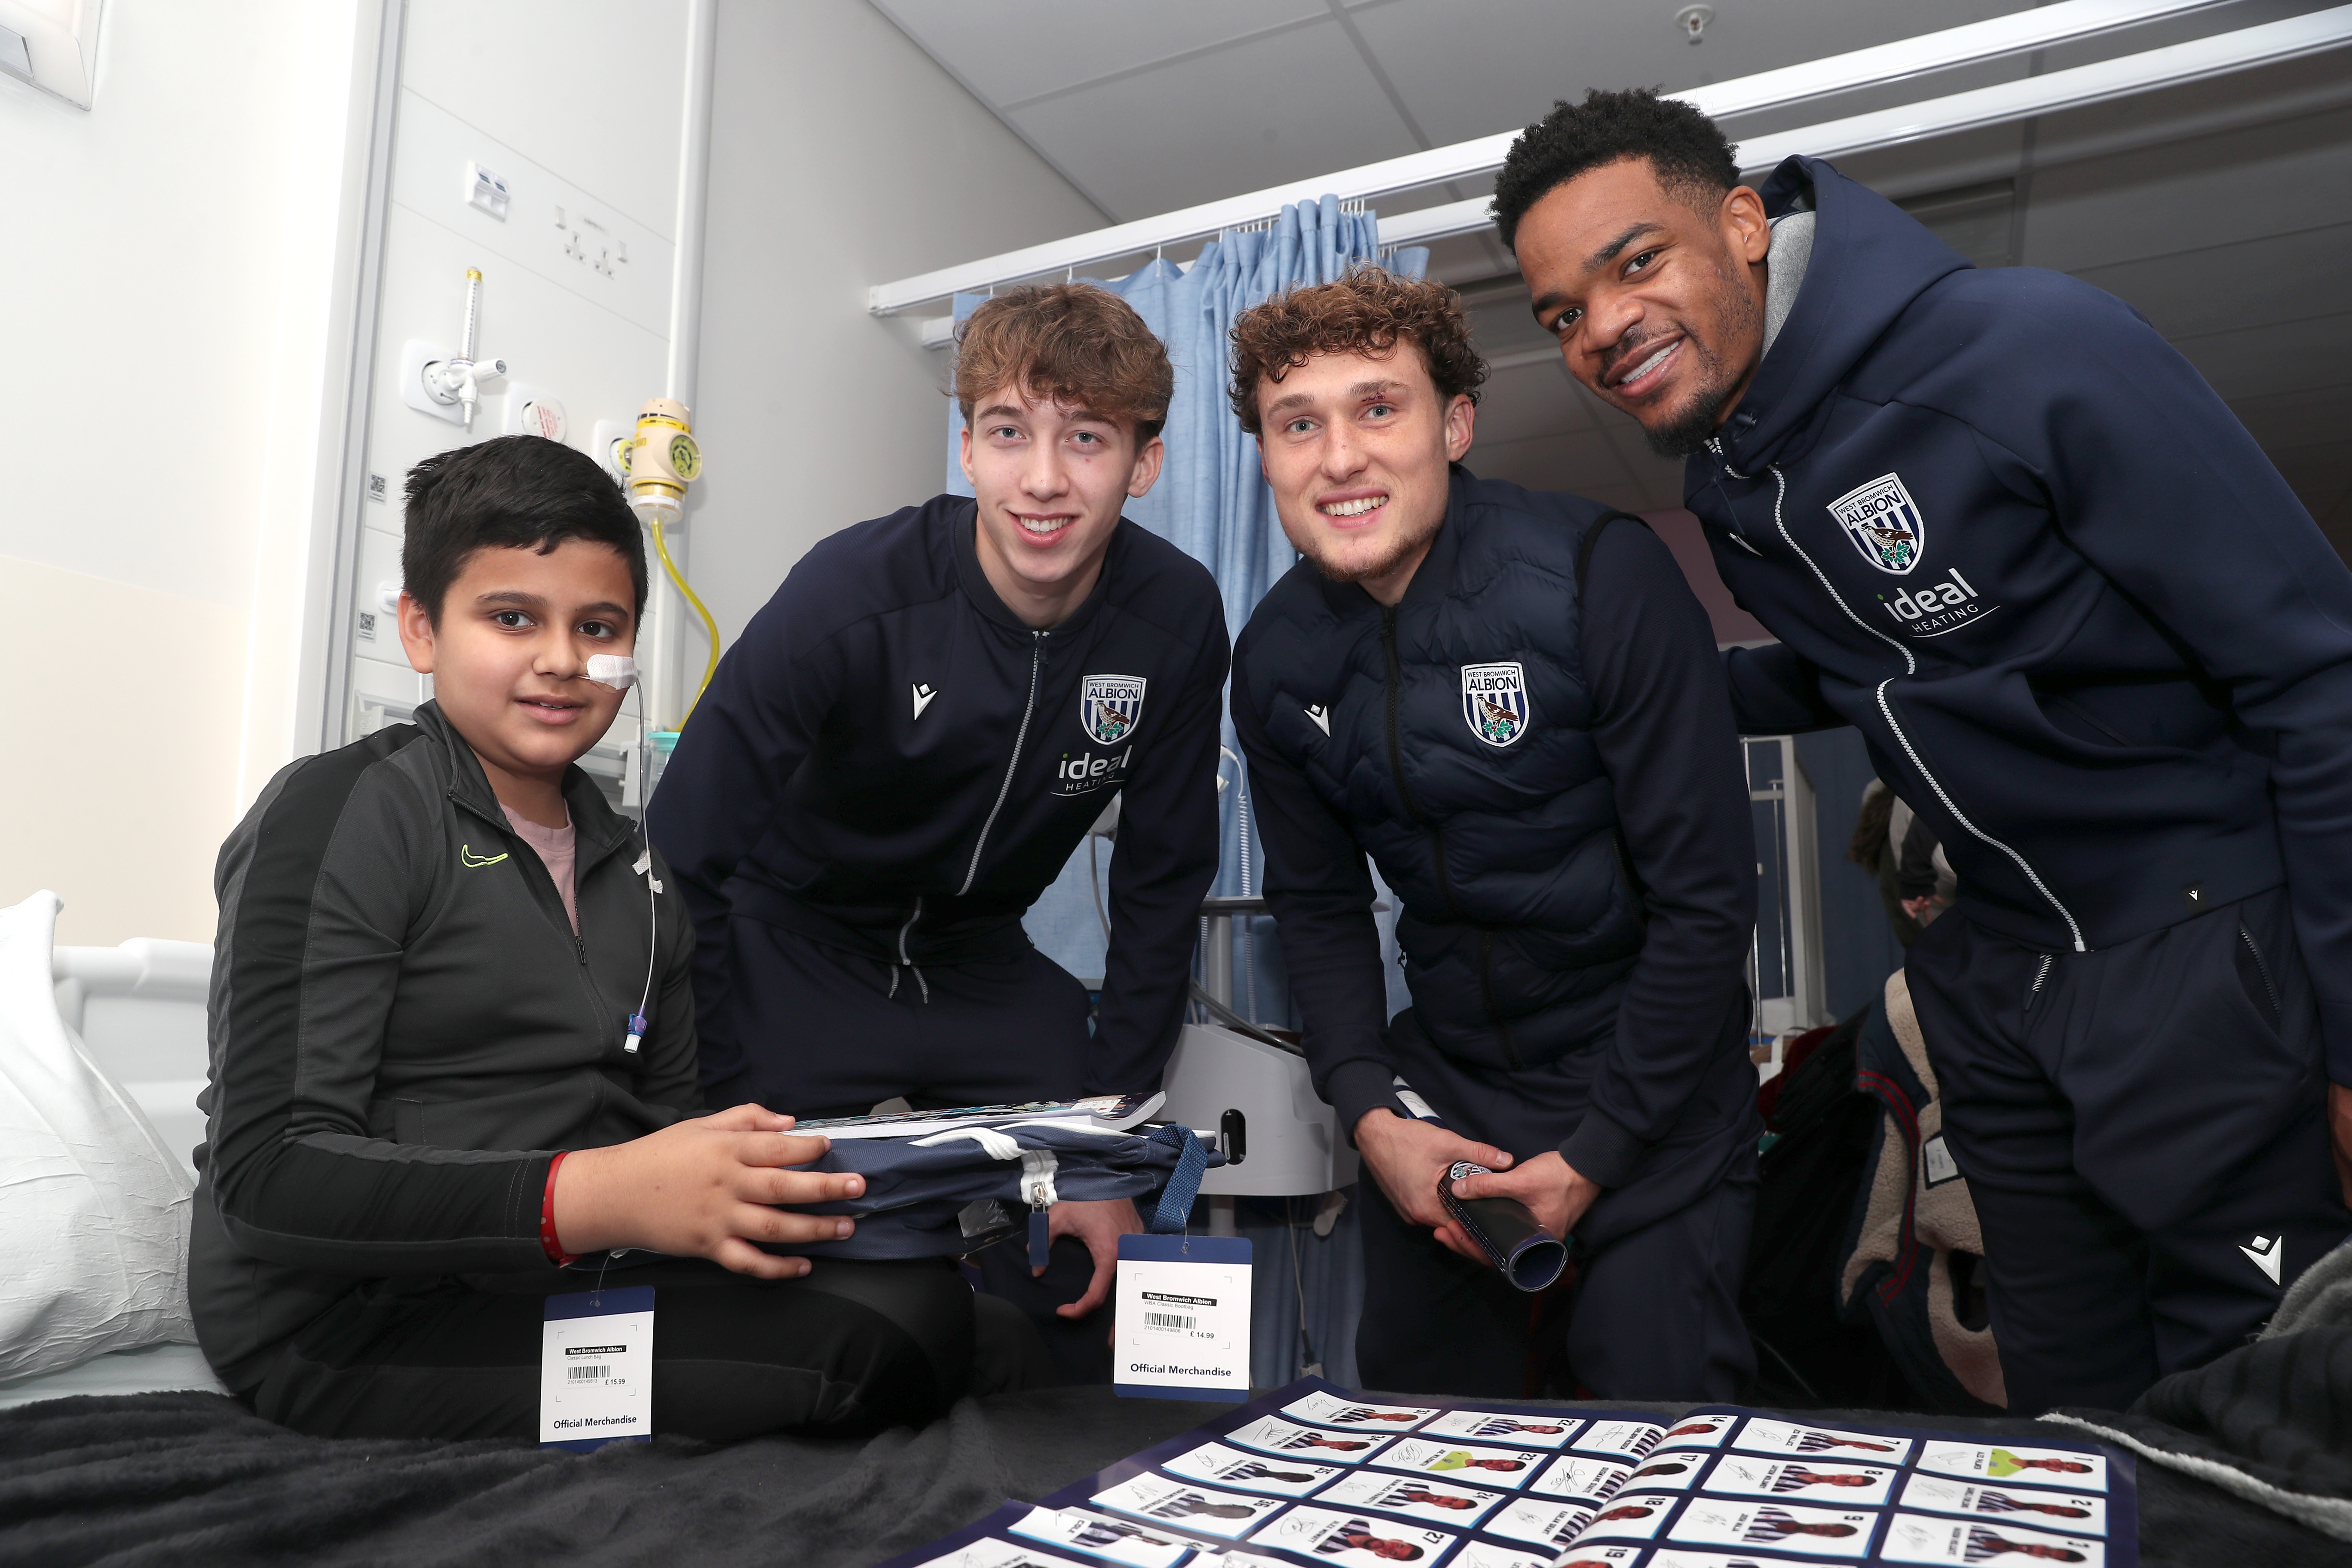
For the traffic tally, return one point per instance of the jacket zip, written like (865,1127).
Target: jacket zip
(531,864)
(2040,974)
(972,872)
(2278,1009)
(1887,707)
(1436,833)
(1396,759)
(905,959)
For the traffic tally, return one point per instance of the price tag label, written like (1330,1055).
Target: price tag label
(1183,1306)
(596,1369)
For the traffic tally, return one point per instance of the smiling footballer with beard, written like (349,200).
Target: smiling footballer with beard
(2088,633)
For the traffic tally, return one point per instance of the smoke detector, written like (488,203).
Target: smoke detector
(1691,22)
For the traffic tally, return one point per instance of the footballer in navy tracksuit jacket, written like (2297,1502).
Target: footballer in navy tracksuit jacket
(891,766)
(2089,633)
(886,772)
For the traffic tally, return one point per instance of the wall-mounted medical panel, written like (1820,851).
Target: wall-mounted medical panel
(580,240)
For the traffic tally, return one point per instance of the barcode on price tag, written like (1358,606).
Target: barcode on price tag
(584,1373)
(1169,1320)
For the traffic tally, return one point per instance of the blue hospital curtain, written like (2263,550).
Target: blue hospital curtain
(1213,504)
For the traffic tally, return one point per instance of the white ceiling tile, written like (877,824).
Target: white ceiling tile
(1012,50)
(2263,180)
(2283,421)
(2214,289)
(1287,107)
(2292,356)
(1528,401)
(1467,70)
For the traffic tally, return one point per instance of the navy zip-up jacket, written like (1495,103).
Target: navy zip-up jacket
(1535,746)
(889,762)
(2005,530)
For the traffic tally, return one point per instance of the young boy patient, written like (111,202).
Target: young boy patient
(426,1110)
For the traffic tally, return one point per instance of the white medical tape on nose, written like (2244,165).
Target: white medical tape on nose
(617,670)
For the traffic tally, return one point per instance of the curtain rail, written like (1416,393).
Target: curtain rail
(2242,50)
(1882,64)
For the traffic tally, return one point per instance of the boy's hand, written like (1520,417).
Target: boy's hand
(703,1189)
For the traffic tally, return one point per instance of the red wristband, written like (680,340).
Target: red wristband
(547,1242)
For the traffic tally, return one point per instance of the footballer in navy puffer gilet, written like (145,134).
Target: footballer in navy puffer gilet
(1487,810)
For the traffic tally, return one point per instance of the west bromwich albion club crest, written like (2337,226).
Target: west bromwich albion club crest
(1110,707)
(1495,701)
(1884,523)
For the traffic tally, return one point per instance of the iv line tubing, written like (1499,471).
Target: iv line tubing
(710,626)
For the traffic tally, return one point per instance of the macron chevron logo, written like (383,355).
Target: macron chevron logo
(2262,1252)
(1322,717)
(924,691)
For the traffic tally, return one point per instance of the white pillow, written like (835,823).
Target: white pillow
(94,1207)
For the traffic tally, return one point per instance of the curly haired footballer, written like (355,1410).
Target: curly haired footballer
(1368,312)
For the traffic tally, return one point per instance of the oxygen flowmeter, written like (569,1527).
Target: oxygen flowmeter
(656,463)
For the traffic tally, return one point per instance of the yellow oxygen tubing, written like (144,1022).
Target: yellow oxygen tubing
(709,626)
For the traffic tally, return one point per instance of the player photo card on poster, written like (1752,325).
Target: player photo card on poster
(2017,1465)
(1273,1434)
(1573,1475)
(1328,1410)
(1546,1524)
(1487,1554)
(1432,1502)
(989,1552)
(1253,1472)
(1628,1516)
(1764,1435)
(1101,1535)
(1189,1507)
(1511,1468)
(1784,1526)
(1354,1541)
(1624,1439)
(1520,1431)
(1696,1432)
(1666,1472)
(1812,1480)
(1915,1537)
(1586,1554)
(2069,1512)
(1668,1557)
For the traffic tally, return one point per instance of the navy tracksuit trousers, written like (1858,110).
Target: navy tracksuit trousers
(2143,1132)
(811,1031)
(1652,1309)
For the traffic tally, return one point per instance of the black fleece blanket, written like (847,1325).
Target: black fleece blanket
(179,1479)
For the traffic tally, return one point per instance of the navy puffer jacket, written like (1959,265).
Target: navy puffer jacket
(1459,749)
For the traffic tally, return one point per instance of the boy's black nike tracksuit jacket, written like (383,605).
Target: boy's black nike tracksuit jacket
(403,1025)
(2088,633)
(891,765)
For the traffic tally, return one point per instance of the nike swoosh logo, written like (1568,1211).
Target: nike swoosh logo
(923,693)
(473,862)
(2264,1255)
(1322,717)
